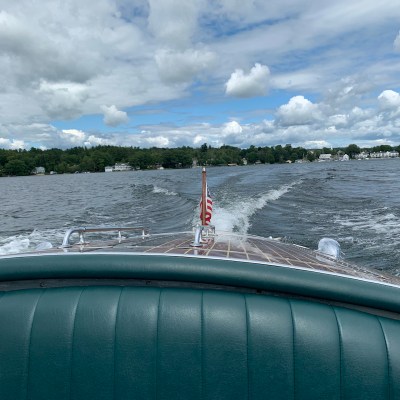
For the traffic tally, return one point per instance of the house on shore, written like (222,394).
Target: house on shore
(325,157)
(118,167)
(39,171)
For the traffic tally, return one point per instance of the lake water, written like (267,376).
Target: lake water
(355,202)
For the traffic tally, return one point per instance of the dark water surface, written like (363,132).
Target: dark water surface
(356,203)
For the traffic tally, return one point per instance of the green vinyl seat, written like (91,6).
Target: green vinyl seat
(108,340)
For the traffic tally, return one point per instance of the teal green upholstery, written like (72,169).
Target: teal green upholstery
(103,340)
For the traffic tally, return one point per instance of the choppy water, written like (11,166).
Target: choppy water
(356,203)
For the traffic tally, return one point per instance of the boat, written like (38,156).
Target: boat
(119,312)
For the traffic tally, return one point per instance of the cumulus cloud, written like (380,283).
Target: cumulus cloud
(65,60)
(74,137)
(199,139)
(64,100)
(158,141)
(299,111)
(338,119)
(93,140)
(389,100)
(183,66)
(232,127)
(255,83)
(12,144)
(173,21)
(113,116)
(316,144)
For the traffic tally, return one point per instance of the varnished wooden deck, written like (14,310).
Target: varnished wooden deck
(244,248)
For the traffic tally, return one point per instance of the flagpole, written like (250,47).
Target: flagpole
(204,197)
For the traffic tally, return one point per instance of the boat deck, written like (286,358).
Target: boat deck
(235,247)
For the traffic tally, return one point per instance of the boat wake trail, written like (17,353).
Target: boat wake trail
(30,241)
(161,190)
(14,246)
(233,213)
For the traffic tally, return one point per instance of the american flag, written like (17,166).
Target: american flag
(209,204)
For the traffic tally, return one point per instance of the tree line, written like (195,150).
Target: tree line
(95,159)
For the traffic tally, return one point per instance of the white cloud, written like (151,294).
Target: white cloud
(199,139)
(299,111)
(232,127)
(183,66)
(389,100)
(93,140)
(158,141)
(338,119)
(12,144)
(113,116)
(65,60)
(316,144)
(74,137)
(63,100)
(253,84)
(174,22)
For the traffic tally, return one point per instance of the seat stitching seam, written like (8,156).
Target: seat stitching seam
(387,357)
(340,352)
(72,342)
(115,336)
(30,342)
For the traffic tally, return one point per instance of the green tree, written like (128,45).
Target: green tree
(352,150)
(16,167)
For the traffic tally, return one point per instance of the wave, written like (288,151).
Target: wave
(378,221)
(15,246)
(167,192)
(233,213)
(30,241)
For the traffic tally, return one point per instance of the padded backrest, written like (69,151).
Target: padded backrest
(109,342)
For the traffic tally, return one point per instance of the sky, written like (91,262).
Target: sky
(171,73)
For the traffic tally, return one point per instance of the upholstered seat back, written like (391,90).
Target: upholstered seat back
(115,342)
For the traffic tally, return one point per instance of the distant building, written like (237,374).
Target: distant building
(362,156)
(122,167)
(379,154)
(118,167)
(244,161)
(39,171)
(325,157)
(384,154)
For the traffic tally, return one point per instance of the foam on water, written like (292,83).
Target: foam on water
(379,221)
(232,213)
(30,241)
(17,245)
(167,192)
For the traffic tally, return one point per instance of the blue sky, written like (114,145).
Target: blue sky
(169,73)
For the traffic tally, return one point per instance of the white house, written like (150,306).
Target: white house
(362,156)
(384,154)
(39,171)
(325,157)
(122,167)
(118,167)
